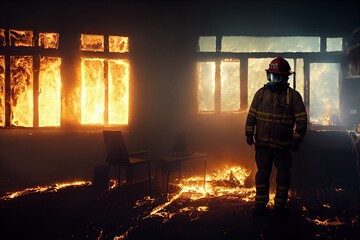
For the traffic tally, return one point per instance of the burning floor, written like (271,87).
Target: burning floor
(218,210)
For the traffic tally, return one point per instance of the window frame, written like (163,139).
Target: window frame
(323,56)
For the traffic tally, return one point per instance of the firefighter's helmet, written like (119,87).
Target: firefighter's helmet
(279,70)
(279,65)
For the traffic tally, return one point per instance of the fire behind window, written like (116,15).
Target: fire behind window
(230,73)
(31,84)
(105,82)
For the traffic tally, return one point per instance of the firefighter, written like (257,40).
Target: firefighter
(276,124)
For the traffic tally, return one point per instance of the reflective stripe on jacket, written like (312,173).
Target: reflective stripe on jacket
(276,117)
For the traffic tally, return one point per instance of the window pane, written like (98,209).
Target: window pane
(118,92)
(2,91)
(21,91)
(118,44)
(207,44)
(93,91)
(21,38)
(299,77)
(230,86)
(49,40)
(93,43)
(333,44)
(324,93)
(206,87)
(270,44)
(49,91)
(256,75)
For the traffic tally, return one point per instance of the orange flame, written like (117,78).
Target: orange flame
(222,182)
(52,188)
(49,92)
(327,222)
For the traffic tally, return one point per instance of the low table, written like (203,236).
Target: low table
(169,161)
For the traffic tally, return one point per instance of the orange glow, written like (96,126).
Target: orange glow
(324,94)
(49,92)
(93,98)
(92,42)
(21,90)
(93,91)
(20,38)
(225,182)
(327,222)
(2,91)
(49,40)
(99,95)
(118,91)
(118,44)
(52,188)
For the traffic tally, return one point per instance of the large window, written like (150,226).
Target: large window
(324,93)
(31,88)
(105,81)
(30,83)
(234,70)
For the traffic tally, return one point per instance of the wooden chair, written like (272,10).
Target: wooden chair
(118,155)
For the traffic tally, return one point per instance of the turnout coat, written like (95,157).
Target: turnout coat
(276,118)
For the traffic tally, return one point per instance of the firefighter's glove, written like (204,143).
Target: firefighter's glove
(250,140)
(295,145)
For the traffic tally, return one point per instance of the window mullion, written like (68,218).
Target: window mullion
(217,86)
(243,82)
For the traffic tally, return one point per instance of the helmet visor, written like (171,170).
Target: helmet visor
(274,77)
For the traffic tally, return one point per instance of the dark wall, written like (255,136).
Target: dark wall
(163,38)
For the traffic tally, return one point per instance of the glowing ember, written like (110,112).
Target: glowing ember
(228,182)
(327,222)
(326,205)
(53,188)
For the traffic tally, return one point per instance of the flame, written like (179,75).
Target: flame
(101,96)
(93,96)
(2,91)
(20,38)
(91,42)
(21,90)
(93,91)
(228,182)
(22,84)
(118,91)
(327,222)
(324,93)
(49,40)
(49,91)
(118,44)
(39,189)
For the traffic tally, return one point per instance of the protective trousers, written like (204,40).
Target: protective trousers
(265,157)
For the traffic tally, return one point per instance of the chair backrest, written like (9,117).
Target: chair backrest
(116,151)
